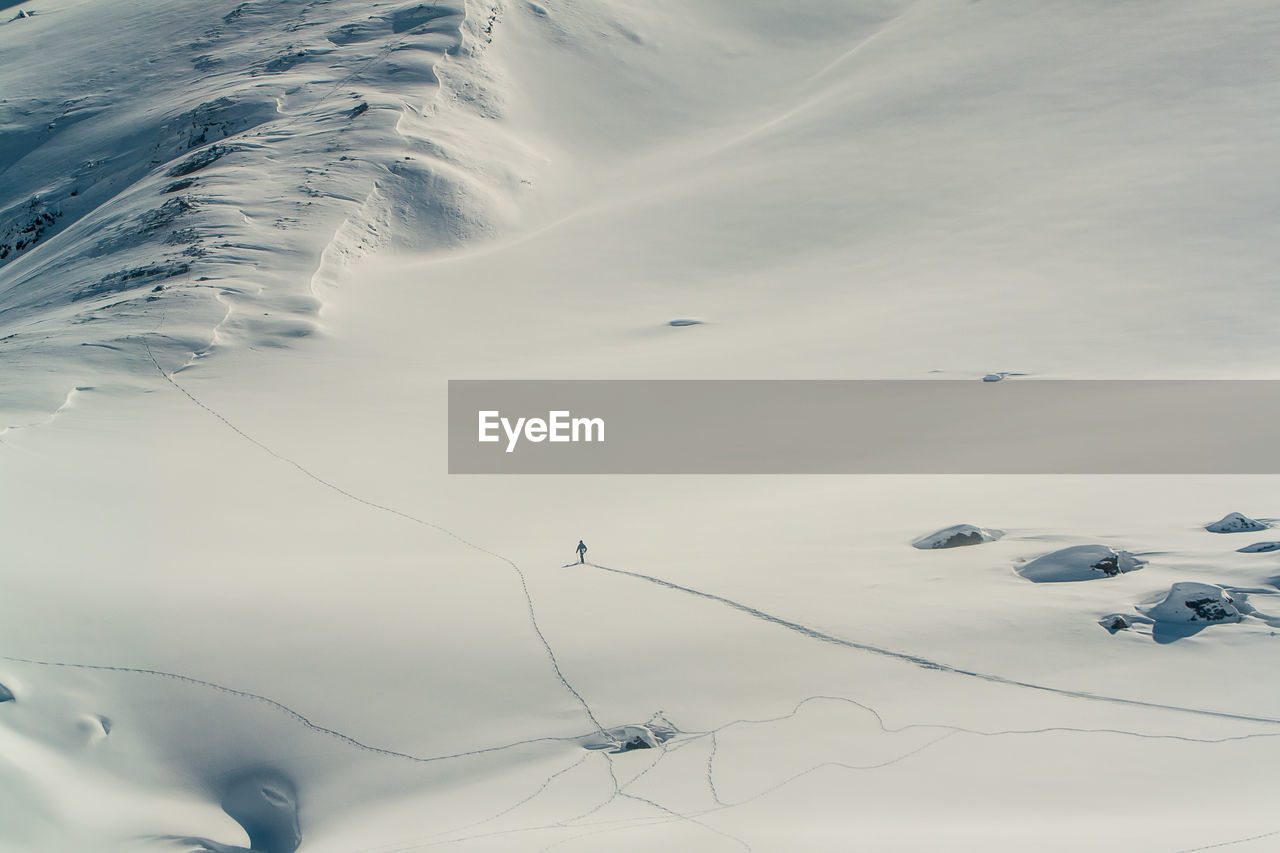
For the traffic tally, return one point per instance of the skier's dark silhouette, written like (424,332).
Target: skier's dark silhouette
(582,552)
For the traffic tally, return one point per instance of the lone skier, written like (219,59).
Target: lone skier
(582,552)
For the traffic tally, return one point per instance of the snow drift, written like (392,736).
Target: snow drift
(1080,563)
(955,537)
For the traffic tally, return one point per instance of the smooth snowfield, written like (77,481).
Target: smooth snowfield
(235,577)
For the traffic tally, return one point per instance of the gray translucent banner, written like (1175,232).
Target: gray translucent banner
(864,427)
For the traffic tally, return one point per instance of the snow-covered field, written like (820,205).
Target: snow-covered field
(245,245)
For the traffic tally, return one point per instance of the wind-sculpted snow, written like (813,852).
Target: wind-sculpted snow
(219,183)
(1080,563)
(265,803)
(956,536)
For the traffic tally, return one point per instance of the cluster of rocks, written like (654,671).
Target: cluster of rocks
(1187,604)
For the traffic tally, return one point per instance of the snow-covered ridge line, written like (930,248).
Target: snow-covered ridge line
(221,184)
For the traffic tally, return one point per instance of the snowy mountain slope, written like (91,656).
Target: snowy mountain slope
(1079,184)
(210,165)
(252,559)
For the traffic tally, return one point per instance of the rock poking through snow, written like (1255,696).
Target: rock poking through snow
(6,695)
(1080,563)
(627,738)
(1198,603)
(1259,548)
(956,536)
(1116,622)
(1234,522)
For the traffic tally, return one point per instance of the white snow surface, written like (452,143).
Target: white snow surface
(230,547)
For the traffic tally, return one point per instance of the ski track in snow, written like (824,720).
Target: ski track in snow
(804,630)
(711,777)
(546,783)
(686,817)
(811,100)
(623,824)
(617,788)
(1231,843)
(286,710)
(926,663)
(524,586)
(948,731)
(886,729)
(620,789)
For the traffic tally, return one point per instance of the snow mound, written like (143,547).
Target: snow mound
(266,805)
(1259,548)
(1080,563)
(626,738)
(1234,522)
(1243,600)
(956,536)
(1194,602)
